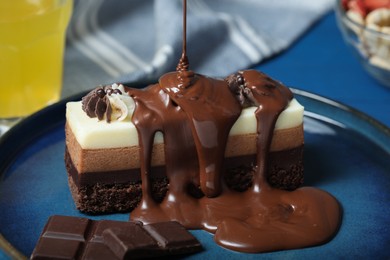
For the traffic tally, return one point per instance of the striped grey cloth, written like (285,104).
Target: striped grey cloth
(127,40)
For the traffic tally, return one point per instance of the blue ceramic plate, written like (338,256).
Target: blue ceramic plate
(346,153)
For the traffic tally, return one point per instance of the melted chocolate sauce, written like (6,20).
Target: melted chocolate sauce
(196,121)
(195,114)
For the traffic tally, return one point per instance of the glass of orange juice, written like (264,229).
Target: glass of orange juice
(32,39)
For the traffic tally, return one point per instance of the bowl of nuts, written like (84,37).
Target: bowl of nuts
(365,26)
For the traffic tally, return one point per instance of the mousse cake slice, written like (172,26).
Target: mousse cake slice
(103,152)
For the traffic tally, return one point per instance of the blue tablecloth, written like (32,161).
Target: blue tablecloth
(321,63)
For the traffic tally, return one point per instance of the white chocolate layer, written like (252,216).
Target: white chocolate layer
(94,134)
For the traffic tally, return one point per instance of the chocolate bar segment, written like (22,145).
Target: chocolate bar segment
(63,227)
(163,233)
(67,237)
(132,242)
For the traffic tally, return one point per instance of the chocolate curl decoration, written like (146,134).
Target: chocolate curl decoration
(97,104)
(236,83)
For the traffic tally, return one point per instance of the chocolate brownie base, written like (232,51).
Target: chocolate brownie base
(120,191)
(107,198)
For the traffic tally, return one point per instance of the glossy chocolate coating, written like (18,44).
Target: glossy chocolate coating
(196,121)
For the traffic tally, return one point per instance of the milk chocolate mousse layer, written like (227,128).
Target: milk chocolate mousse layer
(96,146)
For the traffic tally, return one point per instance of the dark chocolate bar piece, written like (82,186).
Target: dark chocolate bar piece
(66,237)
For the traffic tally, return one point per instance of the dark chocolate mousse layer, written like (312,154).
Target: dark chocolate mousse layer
(120,191)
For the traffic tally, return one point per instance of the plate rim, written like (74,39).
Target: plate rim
(14,141)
